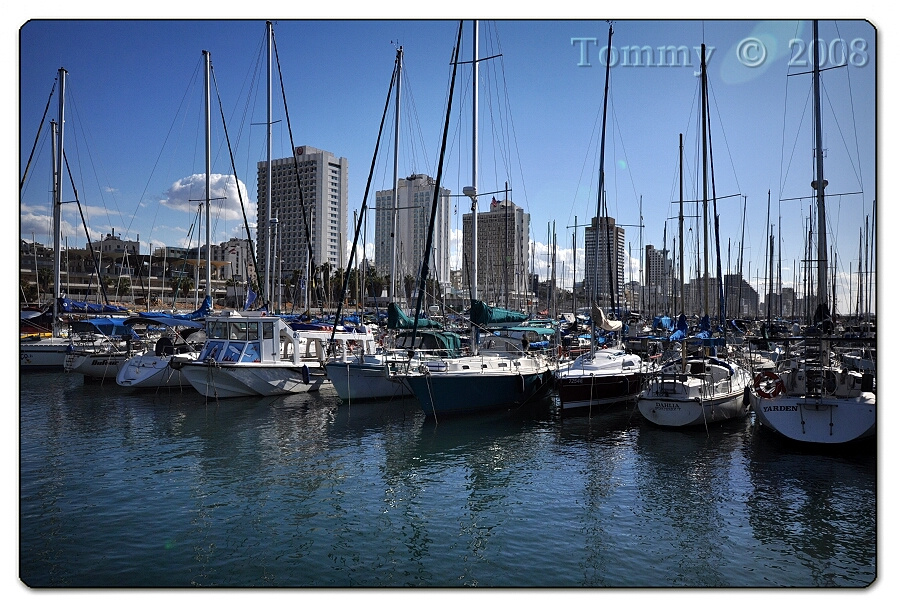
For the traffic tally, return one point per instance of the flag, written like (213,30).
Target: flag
(251,297)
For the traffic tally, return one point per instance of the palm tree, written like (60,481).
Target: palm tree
(182,285)
(45,279)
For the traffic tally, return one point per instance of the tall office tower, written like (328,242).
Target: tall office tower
(415,195)
(660,279)
(600,256)
(502,253)
(323,182)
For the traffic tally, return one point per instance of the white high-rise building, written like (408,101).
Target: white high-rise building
(323,180)
(415,195)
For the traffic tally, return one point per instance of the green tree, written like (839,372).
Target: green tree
(409,283)
(375,283)
(181,286)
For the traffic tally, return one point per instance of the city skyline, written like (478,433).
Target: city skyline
(549,80)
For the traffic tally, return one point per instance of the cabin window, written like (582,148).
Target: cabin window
(238,331)
(252,331)
(217,330)
(268,331)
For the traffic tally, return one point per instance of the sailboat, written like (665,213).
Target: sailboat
(699,388)
(150,368)
(600,378)
(481,381)
(39,352)
(374,375)
(157,367)
(812,398)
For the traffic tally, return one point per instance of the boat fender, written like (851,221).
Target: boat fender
(304,373)
(746,396)
(522,387)
(768,384)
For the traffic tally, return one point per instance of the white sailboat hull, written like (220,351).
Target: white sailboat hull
(149,370)
(683,399)
(96,365)
(45,354)
(372,378)
(823,420)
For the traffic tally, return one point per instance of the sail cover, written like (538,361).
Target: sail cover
(199,314)
(483,314)
(70,306)
(398,320)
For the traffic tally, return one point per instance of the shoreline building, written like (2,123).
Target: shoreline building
(323,181)
(597,258)
(660,280)
(503,254)
(414,201)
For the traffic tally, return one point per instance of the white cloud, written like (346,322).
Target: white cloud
(188,193)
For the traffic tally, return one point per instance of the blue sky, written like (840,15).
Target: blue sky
(133,122)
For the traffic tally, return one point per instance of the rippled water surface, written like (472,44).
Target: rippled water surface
(121,489)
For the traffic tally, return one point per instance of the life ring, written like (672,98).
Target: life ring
(768,384)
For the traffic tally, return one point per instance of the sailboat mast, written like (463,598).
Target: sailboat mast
(741,262)
(208,168)
(822,291)
(681,219)
(574,266)
(268,154)
(703,109)
(474,159)
(596,282)
(474,190)
(394,218)
(57,200)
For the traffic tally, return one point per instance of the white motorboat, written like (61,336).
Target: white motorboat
(254,354)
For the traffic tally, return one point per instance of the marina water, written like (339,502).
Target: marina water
(170,489)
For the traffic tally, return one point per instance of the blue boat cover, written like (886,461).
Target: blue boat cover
(680,329)
(111,327)
(82,307)
(166,321)
(663,322)
(198,314)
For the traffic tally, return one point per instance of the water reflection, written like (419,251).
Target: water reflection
(173,489)
(814,512)
(687,507)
